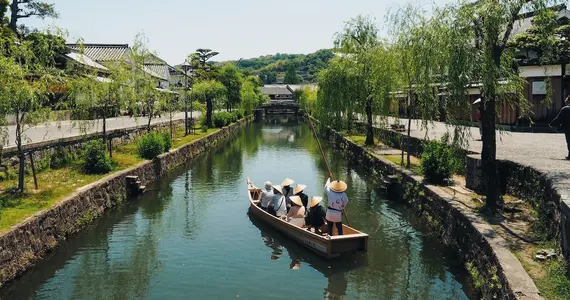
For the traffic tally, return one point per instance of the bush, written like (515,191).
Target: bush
(95,159)
(151,146)
(239,113)
(167,141)
(204,128)
(438,161)
(60,158)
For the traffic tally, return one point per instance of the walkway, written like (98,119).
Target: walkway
(545,152)
(66,129)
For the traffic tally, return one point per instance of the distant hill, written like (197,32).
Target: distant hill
(273,68)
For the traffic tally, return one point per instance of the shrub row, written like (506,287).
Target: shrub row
(154,144)
(221,119)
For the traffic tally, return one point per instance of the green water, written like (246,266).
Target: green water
(191,237)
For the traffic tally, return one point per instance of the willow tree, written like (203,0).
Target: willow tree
(25,93)
(144,83)
(356,42)
(487,25)
(420,60)
(209,91)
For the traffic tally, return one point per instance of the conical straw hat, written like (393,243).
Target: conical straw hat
(278,188)
(299,188)
(314,201)
(338,186)
(287,182)
(296,200)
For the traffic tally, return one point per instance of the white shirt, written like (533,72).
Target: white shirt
(279,205)
(338,201)
(266,197)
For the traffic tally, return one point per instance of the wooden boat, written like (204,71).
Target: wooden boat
(327,246)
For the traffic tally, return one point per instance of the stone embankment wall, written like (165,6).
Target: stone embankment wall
(541,190)
(28,242)
(486,255)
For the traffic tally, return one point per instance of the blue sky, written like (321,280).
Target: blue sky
(235,28)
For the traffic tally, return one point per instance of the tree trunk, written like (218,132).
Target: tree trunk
(105,127)
(209,113)
(21,155)
(150,113)
(33,170)
(489,151)
(369,128)
(14,15)
(408,164)
(186,125)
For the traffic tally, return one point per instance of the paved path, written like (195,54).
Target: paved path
(66,129)
(545,152)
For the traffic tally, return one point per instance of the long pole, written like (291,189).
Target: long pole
(326,161)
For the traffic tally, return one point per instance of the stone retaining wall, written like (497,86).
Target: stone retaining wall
(485,253)
(28,242)
(535,187)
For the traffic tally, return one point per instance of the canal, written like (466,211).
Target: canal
(191,237)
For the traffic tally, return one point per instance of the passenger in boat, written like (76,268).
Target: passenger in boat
(316,216)
(299,192)
(267,195)
(277,206)
(287,191)
(337,202)
(296,215)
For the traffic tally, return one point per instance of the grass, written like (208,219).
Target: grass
(57,184)
(549,277)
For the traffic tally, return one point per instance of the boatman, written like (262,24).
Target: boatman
(337,202)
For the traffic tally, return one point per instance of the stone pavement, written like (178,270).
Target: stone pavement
(66,129)
(545,152)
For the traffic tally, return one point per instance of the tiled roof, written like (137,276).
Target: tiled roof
(276,90)
(149,70)
(102,52)
(83,59)
(160,71)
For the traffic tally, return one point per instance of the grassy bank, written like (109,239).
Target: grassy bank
(57,184)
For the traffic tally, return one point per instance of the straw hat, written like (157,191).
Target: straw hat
(287,182)
(338,186)
(296,200)
(314,201)
(278,188)
(299,188)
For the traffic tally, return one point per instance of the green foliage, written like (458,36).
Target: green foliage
(209,91)
(95,159)
(307,65)
(223,118)
(291,76)
(31,8)
(167,141)
(231,78)
(438,161)
(307,98)
(61,157)
(47,48)
(204,128)
(151,145)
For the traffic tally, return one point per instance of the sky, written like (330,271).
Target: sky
(235,28)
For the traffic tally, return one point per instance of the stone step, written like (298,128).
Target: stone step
(132,178)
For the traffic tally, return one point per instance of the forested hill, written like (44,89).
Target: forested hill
(291,68)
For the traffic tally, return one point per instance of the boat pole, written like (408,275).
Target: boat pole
(326,161)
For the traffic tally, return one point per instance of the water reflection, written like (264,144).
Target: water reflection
(333,270)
